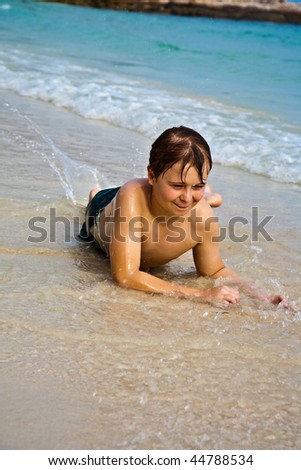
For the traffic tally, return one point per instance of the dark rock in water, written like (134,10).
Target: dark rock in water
(277,11)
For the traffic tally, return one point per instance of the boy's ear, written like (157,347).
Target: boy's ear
(151,176)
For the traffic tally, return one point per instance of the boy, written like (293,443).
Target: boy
(150,221)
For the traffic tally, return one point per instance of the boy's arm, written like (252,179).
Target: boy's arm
(208,262)
(125,250)
(206,254)
(125,258)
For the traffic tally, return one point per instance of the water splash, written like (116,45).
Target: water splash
(76,178)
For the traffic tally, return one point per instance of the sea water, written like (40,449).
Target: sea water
(86,364)
(236,82)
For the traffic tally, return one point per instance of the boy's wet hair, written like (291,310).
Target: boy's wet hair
(180,144)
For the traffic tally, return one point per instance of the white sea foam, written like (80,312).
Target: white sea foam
(255,142)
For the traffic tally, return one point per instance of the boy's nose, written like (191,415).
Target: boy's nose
(186,195)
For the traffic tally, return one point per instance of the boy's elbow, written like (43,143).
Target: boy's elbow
(123,278)
(214,275)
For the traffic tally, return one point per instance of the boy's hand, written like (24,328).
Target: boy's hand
(275,300)
(222,294)
(282,301)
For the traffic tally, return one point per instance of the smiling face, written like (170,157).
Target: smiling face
(179,163)
(175,193)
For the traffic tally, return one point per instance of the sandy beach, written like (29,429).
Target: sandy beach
(88,365)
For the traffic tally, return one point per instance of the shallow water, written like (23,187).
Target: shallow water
(236,82)
(88,365)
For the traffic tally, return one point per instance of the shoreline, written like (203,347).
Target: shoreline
(275,12)
(79,349)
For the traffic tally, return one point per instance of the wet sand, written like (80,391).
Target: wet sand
(88,365)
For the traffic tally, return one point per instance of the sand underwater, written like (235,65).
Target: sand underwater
(88,365)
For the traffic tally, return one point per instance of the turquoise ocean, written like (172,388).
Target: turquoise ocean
(236,82)
(84,363)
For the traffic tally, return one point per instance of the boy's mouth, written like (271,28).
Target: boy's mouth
(183,207)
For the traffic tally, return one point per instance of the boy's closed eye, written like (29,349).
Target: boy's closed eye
(182,185)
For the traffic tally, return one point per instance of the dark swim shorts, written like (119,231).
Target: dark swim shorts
(94,208)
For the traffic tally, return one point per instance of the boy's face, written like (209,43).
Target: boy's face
(173,195)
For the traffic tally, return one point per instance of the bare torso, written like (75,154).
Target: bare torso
(162,237)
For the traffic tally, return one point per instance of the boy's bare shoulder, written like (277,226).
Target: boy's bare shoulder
(133,194)
(204,210)
(135,184)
